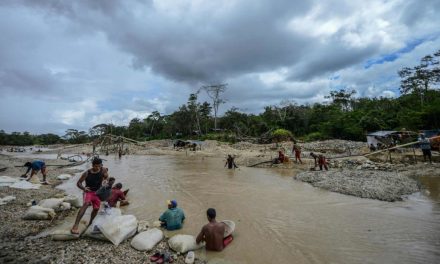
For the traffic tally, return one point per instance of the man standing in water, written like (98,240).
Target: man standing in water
(297,151)
(93,178)
(230,162)
(213,233)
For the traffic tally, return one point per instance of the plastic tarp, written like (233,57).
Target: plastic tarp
(25,185)
(7,181)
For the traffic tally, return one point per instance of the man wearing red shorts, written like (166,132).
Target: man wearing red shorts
(93,178)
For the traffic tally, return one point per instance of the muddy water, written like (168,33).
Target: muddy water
(280,220)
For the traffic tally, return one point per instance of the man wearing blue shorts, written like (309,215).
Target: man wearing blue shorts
(34,167)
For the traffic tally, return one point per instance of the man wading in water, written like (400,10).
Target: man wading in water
(230,162)
(213,232)
(93,178)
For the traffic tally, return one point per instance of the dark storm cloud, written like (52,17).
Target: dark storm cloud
(104,60)
(333,59)
(195,46)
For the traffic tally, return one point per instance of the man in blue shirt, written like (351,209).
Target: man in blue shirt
(36,166)
(172,218)
(425,145)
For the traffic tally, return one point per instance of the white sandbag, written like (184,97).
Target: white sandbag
(53,203)
(7,181)
(6,200)
(119,228)
(65,206)
(146,240)
(25,185)
(184,243)
(73,200)
(229,227)
(64,177)
(93,231)
(39,213)
(63,233)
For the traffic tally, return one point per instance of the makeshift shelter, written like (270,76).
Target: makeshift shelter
(379,137)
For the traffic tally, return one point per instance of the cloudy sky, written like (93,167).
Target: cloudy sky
(75,64)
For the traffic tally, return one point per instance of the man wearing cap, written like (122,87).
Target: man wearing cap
(172,218)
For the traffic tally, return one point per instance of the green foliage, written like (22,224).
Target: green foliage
(313,137)
(26,139)
(225,137)
(281,135)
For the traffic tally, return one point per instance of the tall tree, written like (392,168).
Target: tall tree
(214,92)
(420,78)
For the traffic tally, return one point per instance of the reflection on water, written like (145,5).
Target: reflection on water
(278,219)
(432,185)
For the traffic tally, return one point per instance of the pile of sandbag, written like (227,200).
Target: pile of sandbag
(39,213)
(111,225)
(93,230)
(119,228)
(57,204)
(73,200)
(184,243)
(146,240)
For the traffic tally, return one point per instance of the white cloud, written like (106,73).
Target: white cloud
(78,63)
(119,118)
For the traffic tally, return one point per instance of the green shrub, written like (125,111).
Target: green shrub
(281,135)
(314,136)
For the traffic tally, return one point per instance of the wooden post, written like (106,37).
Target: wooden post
(414,153)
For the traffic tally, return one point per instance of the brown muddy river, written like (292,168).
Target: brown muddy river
(280,220)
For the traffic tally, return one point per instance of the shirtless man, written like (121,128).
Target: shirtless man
(213,233)
(93,178)
(319,161)
(230,162)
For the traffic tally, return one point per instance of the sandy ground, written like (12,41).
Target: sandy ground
(356,176)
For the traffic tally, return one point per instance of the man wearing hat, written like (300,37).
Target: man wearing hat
(172,218)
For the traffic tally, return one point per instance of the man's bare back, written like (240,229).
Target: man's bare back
(212,233)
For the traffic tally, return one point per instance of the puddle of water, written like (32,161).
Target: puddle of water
(278,219)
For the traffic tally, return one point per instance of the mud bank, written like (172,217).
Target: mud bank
(381,185)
